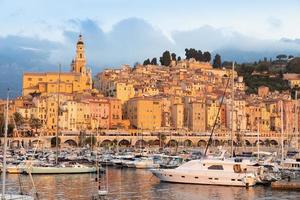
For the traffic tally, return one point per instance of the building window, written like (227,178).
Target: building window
(29,79)
(216,167)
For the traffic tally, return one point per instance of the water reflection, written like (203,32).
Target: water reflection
(136,184)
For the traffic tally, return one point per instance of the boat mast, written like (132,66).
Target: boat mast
(216,119)
(296,119)
(258,137)
(281,114)
(232,108)
(4,149)
(57,117)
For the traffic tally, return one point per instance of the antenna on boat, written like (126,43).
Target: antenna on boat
(216,119)
(57,117)
(5,147)
(296,119)
(232,108)
(258,138)
(282,143)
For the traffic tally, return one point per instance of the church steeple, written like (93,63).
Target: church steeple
(79,64)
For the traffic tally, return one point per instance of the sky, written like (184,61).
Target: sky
(36,35)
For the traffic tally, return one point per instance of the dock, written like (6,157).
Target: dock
(286,185)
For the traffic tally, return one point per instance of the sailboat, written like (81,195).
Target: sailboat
(5,196)
(63,168)
(102,192)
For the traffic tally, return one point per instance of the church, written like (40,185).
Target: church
(79,78)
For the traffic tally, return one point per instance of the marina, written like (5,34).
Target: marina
(149,100)
(138,184)
(128,174)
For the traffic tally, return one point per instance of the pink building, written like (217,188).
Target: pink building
(99,113)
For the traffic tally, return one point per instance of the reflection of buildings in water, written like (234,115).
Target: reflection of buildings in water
(137,184)
(205,192)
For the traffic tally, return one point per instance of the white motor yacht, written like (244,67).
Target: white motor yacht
(290,164)
(209,172)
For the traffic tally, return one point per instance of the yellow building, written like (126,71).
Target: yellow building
(83,115)
(177,111)
(77,80)
(197,116)
(144,113)
(123,91)
(212,107)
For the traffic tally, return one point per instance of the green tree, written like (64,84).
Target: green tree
(263,67)
(154,61)
(206,56)
(244,70)
(281,56)
(19,120)
(179,58)
(35,123)
(147,62)
(165,59)
(173,55)
(198,55)
(217,63)
(294,66)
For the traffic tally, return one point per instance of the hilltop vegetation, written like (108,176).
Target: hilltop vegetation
(265,72)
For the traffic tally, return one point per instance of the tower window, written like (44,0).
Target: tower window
(80,55)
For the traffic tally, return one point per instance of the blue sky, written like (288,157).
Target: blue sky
(36,35)
(263,19)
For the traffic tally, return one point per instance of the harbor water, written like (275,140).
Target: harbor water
(135,184)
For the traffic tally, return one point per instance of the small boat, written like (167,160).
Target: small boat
(16,197)
(145,163)
(60,169)
(15,169)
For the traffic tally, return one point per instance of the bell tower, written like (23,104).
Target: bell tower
(78,65)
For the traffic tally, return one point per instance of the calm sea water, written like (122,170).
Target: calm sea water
(136,184)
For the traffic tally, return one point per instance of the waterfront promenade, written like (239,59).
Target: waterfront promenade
(188,140)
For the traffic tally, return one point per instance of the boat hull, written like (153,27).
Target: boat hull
(60,170)
(204,178)
(16,197)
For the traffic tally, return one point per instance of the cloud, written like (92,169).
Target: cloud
(274,23)
(128,41)
(17,54)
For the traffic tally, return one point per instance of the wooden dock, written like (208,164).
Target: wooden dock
(286,185)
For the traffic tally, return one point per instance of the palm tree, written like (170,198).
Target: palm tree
(18,118)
